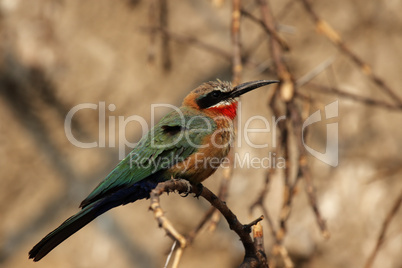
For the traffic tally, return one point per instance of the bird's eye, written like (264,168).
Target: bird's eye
(216,94)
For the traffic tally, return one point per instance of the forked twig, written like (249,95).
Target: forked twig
(163,222)
(251,258)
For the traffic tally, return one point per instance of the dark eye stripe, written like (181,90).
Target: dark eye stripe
(215,93)
(211,99)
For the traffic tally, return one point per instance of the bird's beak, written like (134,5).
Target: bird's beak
(248,86)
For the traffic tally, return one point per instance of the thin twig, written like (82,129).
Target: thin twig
(152,35)
(286,93)
(164,22)
(169,186)
(381,237)
(324,28)
(170,254)
(190,40)
(267,29)
(236,45)
(259,202)
(287,86)
(258,236)
(351,96)
(304,170)
(191,236)
(278,236)
(313,73)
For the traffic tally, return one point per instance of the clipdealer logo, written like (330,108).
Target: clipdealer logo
(329,156)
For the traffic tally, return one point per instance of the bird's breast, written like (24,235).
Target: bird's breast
(209,156)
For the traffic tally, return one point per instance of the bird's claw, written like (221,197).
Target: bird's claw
(185,194)
(200,188)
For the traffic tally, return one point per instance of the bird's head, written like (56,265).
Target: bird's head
(220,97)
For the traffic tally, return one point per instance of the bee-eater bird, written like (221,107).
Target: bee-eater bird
(179,146)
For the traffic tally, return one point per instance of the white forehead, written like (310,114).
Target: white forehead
(223,86)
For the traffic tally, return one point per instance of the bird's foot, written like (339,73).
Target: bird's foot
(185,194)
(200,189)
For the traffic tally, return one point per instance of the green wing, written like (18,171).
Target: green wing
(171,141)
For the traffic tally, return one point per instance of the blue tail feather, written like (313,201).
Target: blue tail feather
(137,191)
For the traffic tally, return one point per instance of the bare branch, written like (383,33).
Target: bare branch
(182,186)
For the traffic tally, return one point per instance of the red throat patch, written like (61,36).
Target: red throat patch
(227,110)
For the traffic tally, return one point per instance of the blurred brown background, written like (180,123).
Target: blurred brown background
(58,54)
